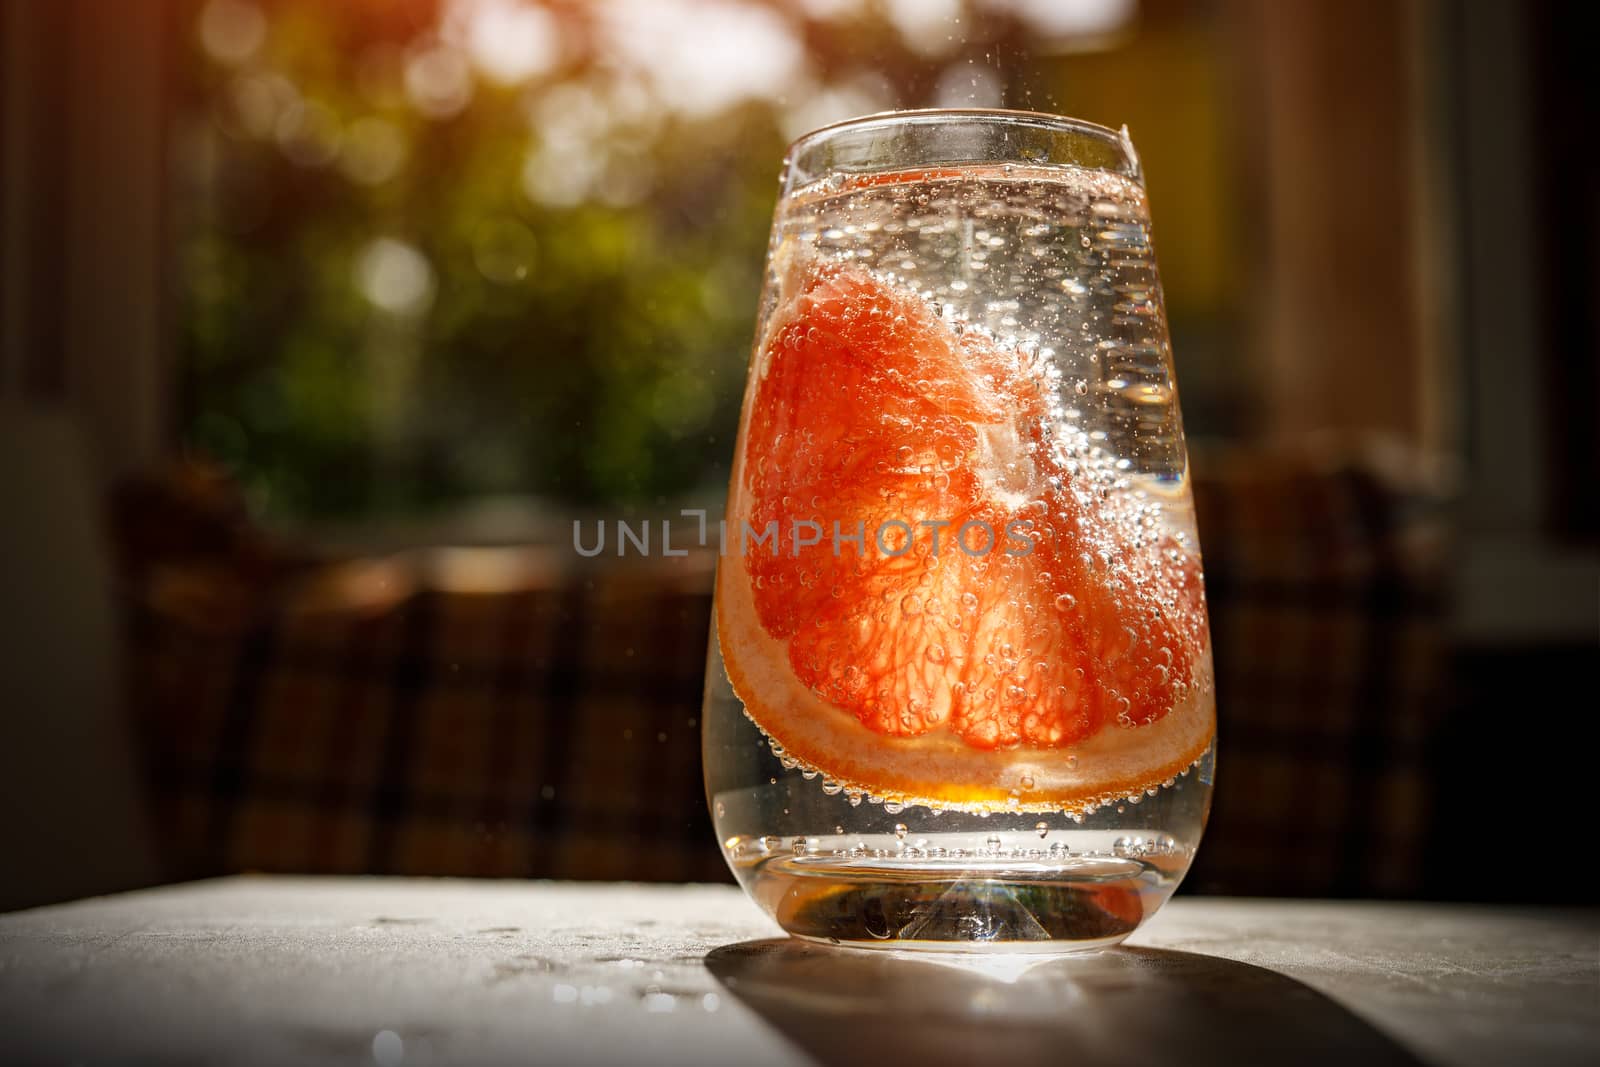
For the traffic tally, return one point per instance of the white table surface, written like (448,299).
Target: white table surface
(390,971)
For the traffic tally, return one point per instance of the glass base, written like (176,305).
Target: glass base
(947,893)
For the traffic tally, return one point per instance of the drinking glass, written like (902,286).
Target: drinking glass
(959,687)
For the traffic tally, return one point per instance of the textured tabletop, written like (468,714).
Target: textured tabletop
(360,971)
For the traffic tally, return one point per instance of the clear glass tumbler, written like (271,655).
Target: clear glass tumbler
(959,688)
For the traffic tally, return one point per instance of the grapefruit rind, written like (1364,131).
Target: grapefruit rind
(937,770)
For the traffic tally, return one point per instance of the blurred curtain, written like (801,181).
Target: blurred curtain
(82,392)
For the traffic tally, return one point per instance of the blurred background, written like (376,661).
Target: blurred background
(321,322)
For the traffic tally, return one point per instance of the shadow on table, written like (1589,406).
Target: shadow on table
(1127,1005)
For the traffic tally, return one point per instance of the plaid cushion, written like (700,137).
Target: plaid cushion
(377,719)
(1324,580)
(549,732)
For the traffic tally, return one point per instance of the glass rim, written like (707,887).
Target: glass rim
(995,115)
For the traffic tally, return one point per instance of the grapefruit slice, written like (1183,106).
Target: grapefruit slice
(934,591)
